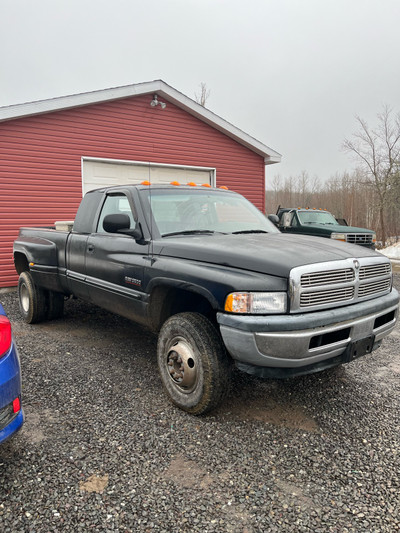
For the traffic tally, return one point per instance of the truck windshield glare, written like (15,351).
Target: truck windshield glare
(311,217)
(182,211)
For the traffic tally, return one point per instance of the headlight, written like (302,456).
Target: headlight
(338,236)
(257,303)
(374,237)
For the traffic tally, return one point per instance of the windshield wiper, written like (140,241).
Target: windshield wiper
(249,231)
(188,232)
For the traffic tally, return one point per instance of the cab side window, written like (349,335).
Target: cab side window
(294,221)
(116,204)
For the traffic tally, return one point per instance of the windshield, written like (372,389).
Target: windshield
(200,211)
(316,217)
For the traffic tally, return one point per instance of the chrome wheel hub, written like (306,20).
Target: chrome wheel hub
(24,298)
(181,366)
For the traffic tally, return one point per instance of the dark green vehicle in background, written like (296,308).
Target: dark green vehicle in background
(321,223)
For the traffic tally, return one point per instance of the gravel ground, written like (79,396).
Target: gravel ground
(103,450)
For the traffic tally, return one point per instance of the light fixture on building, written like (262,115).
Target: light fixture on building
(155,102)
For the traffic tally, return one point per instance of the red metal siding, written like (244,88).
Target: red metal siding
(40,159)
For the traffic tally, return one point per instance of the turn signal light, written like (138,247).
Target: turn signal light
(192,184)
(5,335)
(145,183)
(206,185)
(237,302)
(224,187)
(176,183)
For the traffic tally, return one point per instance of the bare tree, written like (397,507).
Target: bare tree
(395,184)
(204,94)
(276,184)
(378,152)
(315,186)
(303,188)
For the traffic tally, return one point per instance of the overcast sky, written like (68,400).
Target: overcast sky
(291,73)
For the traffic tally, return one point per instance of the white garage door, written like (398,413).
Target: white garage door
(98,173)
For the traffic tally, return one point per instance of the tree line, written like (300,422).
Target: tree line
(368,197)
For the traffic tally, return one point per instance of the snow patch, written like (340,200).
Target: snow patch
(393,252)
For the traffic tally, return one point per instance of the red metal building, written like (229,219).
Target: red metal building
(53,151)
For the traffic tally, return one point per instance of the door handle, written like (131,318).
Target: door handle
(90,248)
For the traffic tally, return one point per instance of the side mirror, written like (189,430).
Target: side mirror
(115,223)
(274,219)
(287,219)
(120,223)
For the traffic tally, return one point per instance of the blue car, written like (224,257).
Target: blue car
(11,413)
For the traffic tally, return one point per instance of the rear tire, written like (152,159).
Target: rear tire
(193,363)
(32,299)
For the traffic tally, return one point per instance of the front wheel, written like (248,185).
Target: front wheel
(193,364)
(32,299)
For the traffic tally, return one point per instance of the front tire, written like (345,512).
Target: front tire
(32,299)
(193,364)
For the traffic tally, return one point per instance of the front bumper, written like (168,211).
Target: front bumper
(305,341)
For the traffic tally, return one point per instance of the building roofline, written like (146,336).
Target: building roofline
(159,87)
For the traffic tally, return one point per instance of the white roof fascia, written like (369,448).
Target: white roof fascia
(161,89)
(76,100)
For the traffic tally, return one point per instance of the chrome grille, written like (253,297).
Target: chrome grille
(373,271)
(335,283)
(359,238)
(309,299)
(374,288)
(324,278)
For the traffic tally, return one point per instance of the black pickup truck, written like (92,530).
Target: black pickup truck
(216,280)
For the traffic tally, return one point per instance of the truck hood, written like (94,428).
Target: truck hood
(268,253)
(336,228)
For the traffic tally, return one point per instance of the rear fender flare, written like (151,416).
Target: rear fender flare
(36,250)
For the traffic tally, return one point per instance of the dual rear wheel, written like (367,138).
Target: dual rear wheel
(37,304)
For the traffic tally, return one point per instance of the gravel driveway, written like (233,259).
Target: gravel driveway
(103,450)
